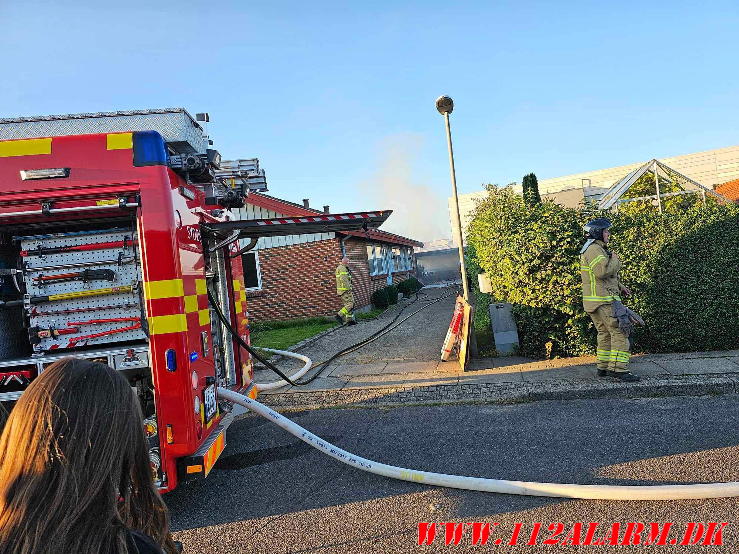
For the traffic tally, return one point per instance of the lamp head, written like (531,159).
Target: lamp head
(444,104)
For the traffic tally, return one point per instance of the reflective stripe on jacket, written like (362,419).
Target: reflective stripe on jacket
(599,272)
(343,280)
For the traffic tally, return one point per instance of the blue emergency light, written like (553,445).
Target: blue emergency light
(149,149)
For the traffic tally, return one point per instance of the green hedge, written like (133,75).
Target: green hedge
(681,267)
(379,299)
(392,294)
(409,286)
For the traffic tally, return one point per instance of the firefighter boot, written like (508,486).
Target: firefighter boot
(625,376)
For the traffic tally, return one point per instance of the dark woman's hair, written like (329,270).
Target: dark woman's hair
(74,466)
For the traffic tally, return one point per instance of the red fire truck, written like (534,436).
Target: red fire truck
(120,238)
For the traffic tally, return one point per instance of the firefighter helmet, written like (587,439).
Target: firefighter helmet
(594,229)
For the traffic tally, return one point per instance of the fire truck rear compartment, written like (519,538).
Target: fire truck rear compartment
(72,298)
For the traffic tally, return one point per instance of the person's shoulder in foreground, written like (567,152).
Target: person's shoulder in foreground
(138,543)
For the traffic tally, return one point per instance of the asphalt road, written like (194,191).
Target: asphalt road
(272,493)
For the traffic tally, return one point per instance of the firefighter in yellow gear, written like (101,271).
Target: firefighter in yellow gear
(344,290)
(601,289)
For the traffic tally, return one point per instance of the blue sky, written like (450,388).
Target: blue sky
(337,98)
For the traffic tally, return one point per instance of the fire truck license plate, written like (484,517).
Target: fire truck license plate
(210,402)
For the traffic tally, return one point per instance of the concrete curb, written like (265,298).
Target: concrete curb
(502,393)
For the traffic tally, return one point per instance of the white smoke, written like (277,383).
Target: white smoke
(419,212)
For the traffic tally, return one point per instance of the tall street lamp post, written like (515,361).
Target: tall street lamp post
(445,105)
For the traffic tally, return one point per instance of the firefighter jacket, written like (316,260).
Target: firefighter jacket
(343,279)
(599,270)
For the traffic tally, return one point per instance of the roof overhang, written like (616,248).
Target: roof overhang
(324,223)
(375,235)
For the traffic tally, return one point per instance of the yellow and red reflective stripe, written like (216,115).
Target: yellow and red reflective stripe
(200,287)
(167,288)
(213,453)
(163,324)
(191,303)
(174,289)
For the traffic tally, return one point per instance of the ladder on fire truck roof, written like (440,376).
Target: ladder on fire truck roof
(244,174)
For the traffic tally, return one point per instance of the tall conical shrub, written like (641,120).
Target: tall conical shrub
(531,190)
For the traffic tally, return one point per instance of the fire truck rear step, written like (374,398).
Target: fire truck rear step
(202,461)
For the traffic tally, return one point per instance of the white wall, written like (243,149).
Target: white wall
(255,212)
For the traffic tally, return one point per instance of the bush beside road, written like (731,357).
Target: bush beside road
(680,265)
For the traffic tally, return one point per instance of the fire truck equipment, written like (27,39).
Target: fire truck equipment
(85,338)
(35,334)
(36,312)
(68,296)
(120,261)
(125,243)
(307,363)
(99,321)
(19,377)
(503,486)
(86,275)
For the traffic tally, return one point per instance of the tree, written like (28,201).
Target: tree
(531,190)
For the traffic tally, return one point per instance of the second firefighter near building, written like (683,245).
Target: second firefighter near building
(344,290)
(602,290)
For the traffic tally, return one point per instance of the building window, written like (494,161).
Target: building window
(405,260)
(371,259)
(252,274)
(375,259)
(383,259)
(397,261)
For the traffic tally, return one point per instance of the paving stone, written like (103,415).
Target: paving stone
(351,370)
(581,373)
(698,366)
(404,368)
(504,376)
(412,379)
(646,368)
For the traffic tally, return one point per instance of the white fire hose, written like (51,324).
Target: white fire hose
(564,490)
(281,383)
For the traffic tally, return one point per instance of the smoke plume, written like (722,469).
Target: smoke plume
(419,212)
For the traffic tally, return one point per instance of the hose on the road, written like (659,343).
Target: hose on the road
(528,488)
(356,346)
(307,363)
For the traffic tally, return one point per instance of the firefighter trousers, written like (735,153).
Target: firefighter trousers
(345,313)
(614,349)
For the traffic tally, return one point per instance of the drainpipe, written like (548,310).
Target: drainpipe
(343,246)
